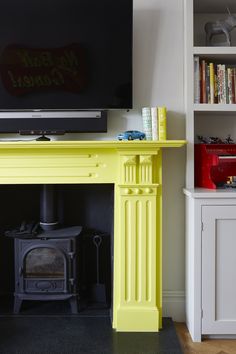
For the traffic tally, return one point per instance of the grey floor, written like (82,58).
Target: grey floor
(49,328)
(76,335)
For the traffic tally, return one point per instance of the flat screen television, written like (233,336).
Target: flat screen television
(64,63)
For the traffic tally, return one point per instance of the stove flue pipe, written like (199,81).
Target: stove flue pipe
(48,208)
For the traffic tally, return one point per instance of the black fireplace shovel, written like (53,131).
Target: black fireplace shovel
(98,290)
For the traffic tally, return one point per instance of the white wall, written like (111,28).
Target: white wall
(158,80)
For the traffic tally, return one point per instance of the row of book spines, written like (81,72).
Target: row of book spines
(214,83)
(154,123)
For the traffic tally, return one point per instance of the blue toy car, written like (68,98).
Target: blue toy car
(131,135)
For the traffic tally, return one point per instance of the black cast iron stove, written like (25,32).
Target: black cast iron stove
(46,267)
(46,259)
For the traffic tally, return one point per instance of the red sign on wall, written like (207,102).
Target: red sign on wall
(25,70)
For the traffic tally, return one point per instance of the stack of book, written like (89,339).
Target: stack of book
(154,123)
(214,83)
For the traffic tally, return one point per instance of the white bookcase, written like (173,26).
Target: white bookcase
(210,214)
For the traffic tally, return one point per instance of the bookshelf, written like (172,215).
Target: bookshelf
(197,13)
(210,214)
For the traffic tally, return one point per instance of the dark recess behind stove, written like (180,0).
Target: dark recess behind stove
(90,206)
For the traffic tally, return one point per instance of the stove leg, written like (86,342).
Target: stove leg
(74,305)
(17,304)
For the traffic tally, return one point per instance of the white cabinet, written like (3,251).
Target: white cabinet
(210,262)
(219,269)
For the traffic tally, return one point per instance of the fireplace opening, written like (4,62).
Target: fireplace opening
(45,265)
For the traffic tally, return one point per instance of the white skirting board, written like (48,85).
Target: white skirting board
(174,305)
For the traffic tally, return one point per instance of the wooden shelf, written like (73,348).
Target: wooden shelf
(216,53)
(210,193)
(206,107)
(218,6)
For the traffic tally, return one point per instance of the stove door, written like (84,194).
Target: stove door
(45,271)
(45,266)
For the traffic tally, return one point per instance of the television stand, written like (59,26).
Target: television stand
(43,138)
(42,133)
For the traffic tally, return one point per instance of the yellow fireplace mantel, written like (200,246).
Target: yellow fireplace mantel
(135,169)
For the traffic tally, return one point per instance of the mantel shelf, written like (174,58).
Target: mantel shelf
(76,161)
(134,144)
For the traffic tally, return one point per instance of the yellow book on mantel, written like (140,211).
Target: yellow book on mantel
(162,123)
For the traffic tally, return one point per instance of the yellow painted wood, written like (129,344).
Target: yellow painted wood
(134,144)
(137,259)
(135,168)
(139,245)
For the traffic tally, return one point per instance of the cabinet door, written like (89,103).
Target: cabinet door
(219,269)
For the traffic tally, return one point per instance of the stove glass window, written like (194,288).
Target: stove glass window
(44,262)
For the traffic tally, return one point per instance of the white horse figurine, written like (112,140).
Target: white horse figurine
(220,27)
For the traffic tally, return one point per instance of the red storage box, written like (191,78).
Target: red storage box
(214,164)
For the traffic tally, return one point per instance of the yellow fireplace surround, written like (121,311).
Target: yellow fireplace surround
(135,169)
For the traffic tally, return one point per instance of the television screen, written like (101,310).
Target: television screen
(64,56)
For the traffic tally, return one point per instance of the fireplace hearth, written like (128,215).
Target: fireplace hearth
(46,267)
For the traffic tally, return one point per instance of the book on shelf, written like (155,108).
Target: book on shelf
(196,79)
(154,123)
(208,92)
(214,82)
(162,122)
(233,79)
(231,87)
(147,122)
(225,85)
(203,81)
(221,78)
